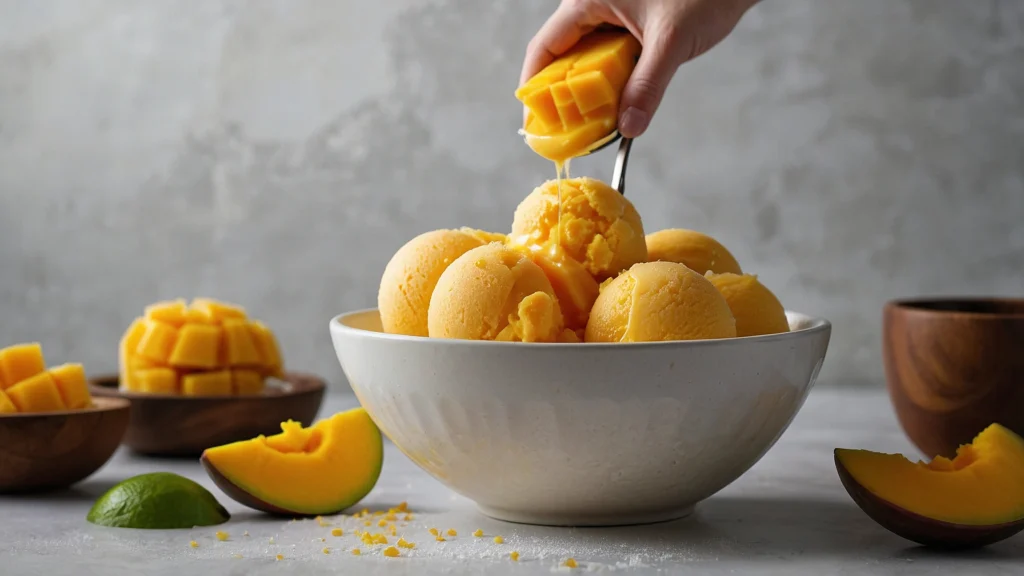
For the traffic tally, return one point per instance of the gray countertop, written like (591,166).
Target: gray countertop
(787,515)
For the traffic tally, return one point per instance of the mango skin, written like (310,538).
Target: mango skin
(322,469)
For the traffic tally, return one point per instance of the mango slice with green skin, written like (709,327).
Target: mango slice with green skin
(322,469)
(973,500)
(574,101)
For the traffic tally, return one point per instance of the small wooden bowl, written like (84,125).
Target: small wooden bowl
(171,425)
(49,450)
(953,367)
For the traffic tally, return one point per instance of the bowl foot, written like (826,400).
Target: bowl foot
(589,519)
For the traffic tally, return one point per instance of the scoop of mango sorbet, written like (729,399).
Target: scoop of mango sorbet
(413,271)
(756,309)
(593,224)
(697,250)
(657,301)
(493,292)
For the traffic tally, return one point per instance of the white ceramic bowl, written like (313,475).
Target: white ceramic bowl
(582,434)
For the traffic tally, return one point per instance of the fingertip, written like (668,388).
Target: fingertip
(633,122)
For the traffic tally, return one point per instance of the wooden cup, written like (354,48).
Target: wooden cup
(173,425)
(953,367)
(49,450)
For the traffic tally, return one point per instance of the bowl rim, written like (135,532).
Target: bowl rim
(113,404)
(927,306)
(817,324)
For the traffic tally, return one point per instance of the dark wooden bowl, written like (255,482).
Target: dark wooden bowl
(953,367)
(170,425)
(49,450)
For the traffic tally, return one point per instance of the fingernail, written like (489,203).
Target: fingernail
(633,122)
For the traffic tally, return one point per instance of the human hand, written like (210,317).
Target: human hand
(670,31)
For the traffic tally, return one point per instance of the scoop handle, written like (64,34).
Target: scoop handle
(621,159)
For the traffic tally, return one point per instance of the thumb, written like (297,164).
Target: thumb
(648,82)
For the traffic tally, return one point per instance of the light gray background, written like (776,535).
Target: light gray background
(276,153)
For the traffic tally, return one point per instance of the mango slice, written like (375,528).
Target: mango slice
(322,469)
(20,362)
(972,500)
(36,394)
(174,346)
(72,385)
(574,101)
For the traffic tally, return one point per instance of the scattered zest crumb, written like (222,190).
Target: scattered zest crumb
(393,530)
(570,563)
(326,551)
(433,531)
(403,543)
(440,538)
(391,552)
(479,533)
(323,539)
(337,532)
(222,536)
(280,557)
(452,532)
(382,523)
(236,555)
(272,540)
(367,523)
(499,540)
(402,507)
(356,552)
(514,556)
(194,544)
(246,533)
(407,517)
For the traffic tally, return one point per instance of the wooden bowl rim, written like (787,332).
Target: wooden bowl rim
(100,404)
(302,383)
(949,306)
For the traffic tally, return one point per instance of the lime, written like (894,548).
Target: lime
(160,500)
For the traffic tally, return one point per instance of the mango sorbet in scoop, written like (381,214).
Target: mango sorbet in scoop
(595,225)
(698,251)
(496,293)
(410,276)
(655,301)
(756,309)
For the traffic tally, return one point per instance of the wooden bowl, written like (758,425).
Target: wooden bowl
(953,367)
(49,450)
(171,425)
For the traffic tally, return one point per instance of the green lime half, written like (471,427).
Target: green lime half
(159,500)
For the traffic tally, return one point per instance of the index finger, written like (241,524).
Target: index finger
(561,31)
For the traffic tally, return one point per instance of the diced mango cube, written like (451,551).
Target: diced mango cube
(169,312)
(197,346)
(542,105)
(207,383)
(36,394)
(582,87)
(266,343)
(157,341)
(6,406)
(590,91)
(217,311)
(20,362)
(157,381)
(126,350)
(246,382)
(241,349)
(72,385)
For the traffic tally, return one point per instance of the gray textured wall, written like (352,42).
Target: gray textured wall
(276,153)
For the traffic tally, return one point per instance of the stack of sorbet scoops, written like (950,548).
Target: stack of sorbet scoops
(576,266)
